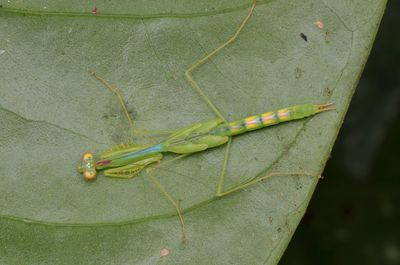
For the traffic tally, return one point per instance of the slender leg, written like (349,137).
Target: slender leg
(189,77)
(123,106)
(210,104)
(221,194)
(226,157)
(164,191)
(212,107)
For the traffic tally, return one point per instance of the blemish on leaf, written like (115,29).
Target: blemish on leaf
(164,252)
(303,36)
(326,36)
(94,10)
(319,24)
(298,72)
(172,77)
(2,51)
(69,30)
(327,91)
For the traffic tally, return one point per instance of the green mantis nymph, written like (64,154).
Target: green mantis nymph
(126,161)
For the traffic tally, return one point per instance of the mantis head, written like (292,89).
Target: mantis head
(88,166)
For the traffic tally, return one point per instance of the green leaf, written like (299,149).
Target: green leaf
(52,110)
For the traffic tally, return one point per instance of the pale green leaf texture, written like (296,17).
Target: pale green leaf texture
(52,111)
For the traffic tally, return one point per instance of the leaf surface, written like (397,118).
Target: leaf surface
(52,111)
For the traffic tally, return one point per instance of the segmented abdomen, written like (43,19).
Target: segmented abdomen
(265,119)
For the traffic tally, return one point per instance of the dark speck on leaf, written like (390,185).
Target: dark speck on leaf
(298,73)
(303,36)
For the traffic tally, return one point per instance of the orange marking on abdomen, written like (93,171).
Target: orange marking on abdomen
(252,122)
(268,118)
(283,114)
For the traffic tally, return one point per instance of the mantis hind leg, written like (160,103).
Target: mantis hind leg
(221,193)
(124,107)
(187,72)
(212,106)
(206,99)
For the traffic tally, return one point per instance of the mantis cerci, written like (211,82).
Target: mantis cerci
(126,161)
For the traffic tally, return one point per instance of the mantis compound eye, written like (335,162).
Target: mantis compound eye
(88,166)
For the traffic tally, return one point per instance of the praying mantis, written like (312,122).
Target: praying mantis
(126,161)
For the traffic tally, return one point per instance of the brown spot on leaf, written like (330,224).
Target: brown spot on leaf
(164,252)
(319,24)
(327,91)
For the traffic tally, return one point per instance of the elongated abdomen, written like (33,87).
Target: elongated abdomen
(266,119)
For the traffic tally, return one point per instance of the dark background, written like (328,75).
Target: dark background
(354,215)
